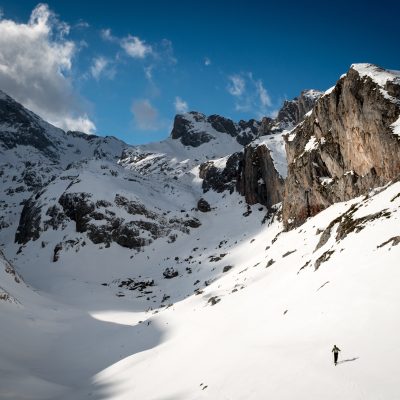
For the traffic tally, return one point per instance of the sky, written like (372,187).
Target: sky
(125,68)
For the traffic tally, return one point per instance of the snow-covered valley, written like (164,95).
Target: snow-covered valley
(260,328)
(147,275)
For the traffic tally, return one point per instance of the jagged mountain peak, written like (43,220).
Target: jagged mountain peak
(293,111)
(194,128)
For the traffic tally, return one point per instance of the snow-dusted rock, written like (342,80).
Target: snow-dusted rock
(351,129)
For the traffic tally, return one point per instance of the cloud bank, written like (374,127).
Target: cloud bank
(35,67)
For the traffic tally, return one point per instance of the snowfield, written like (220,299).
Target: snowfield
(263,329)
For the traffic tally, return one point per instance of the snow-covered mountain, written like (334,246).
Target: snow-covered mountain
(170,271)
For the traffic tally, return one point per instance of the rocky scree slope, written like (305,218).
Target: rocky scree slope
(348,144)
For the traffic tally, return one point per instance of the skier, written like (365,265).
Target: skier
(335,352)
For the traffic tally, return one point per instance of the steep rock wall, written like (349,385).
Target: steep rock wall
(346,146)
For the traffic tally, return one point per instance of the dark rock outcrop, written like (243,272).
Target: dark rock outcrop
(29,222)
(346,146)
(21,127)
(252,173)
(128,235)
(203,205)
(77,206)
(184,130)
(170,273)
(99,222)
(194,129)
(221,179)
(258,179)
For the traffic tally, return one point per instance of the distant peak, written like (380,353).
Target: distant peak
(311,93)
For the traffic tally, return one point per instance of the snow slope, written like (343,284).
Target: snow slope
(269,333)
(272,338)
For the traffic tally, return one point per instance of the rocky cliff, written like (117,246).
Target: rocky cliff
(349,143)
(258,171)
(258,179)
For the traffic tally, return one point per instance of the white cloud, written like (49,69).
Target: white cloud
(82,124)
(263,94)
(148,71)
(107,35)
(81,24)
(207,62)
(145,115)
(135,47)
(98,66)
(249,93)
(101,66)
(35,65)
(181,106)
(236,86)
(165,52)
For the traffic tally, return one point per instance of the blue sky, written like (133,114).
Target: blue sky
(126,68)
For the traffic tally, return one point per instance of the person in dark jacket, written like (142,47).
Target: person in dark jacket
(335,352)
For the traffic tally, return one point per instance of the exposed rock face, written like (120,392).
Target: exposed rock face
(77,206)
(258,179)
(221,179)
(99,221)
(293,111)
(22,128)
(253,172)
(267,126)
(184,129)
(248,131)
(194,129)
(346,146)
(29,223)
